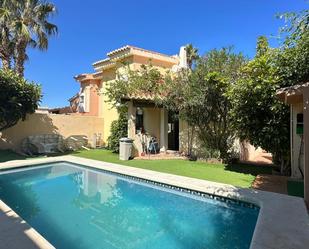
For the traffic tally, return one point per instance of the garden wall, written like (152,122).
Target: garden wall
(38,123)
(247,152)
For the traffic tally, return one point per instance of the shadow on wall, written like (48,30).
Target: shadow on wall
(36,124)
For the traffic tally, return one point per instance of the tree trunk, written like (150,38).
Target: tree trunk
(6,62)
(284,162)
(5,51)
(191,140)
(188,137)
(20,57)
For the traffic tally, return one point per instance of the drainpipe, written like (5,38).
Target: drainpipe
(292,139)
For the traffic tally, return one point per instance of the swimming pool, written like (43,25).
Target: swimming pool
(78,207)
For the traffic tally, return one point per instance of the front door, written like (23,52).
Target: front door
(173,131)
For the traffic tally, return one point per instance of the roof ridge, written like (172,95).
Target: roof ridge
(130,48)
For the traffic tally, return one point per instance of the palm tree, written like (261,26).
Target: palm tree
(6,45)
(192,55)
(31,28)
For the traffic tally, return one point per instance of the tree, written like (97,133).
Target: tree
(119,129)
(296,26)
(146,80)
(292,62)
(256,114)
(192,55)
(198,95)
(23,24)
(262,46)
(200,98)
(31,28)
(18,98)
(6,44)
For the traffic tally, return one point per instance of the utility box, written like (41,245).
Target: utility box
(125,148)
(300,124)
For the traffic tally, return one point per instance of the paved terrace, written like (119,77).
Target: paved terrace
(283,220)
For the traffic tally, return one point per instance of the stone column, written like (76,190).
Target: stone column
(306,143)
(163,130)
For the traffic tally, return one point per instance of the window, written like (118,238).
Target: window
(139,122)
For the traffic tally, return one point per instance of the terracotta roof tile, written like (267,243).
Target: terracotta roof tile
(292,89)
(143,96)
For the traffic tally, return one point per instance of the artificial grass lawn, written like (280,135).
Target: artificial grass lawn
(8,155)
(296,188)
(236,174)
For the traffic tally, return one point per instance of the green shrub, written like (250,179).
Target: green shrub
(119,129)
(18,97)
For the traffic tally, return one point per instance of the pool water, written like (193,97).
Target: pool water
(82,208)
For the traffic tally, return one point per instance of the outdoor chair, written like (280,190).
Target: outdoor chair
(153,146)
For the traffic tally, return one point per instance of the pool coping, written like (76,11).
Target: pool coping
(283,220)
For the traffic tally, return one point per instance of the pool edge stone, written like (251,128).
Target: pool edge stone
(283,221)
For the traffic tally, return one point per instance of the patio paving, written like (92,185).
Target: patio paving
(271,183)
(160,156)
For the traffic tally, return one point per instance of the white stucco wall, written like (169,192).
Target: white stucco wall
(295,142)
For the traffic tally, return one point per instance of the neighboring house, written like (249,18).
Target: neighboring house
(61,110)
(92,100)
(42,109)
(298,98)
(56,110)
(74,103)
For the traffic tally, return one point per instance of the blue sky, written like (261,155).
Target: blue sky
(89,29)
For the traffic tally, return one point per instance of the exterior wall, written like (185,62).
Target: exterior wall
(306,144)
(184,131)
(37,124)
(152,122)
(296,158)
(160,66)
(92,99)
(153,61)
(106,110)
(151,126)
(247,152)
(251,154)
(98,101)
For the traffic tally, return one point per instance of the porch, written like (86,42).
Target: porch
(153,129)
